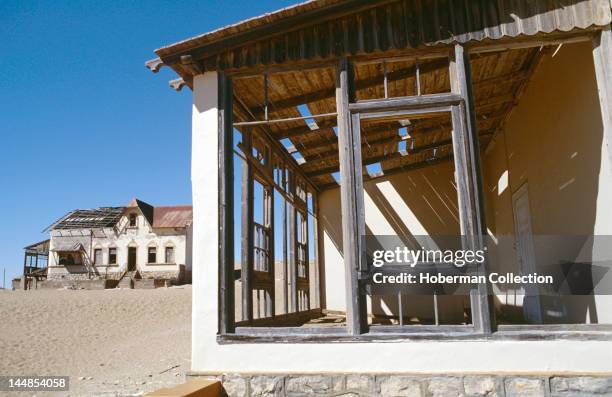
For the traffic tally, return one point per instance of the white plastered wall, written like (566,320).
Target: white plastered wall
(554,143)
(141,237)
(208,356)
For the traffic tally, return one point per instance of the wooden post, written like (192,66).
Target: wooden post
(271,261)
(315,241)
(226,206)
(246,263)
(24,280)
(351,194)
(306,253)
(285,267)
(293,249)
(602,57)
(470,194)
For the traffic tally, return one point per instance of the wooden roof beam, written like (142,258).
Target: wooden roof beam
(398,169)
(391,156)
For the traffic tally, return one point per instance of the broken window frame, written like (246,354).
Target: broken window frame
(483,324)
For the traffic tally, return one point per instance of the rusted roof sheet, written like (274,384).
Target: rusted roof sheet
(331,28)
(172,216)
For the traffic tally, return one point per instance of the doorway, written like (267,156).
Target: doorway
(131,259)
(525,251)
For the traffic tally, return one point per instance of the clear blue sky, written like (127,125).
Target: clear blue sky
(83,123)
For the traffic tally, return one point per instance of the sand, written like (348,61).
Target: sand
(111,342)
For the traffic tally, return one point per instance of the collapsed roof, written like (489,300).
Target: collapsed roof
(88,219)
(177,216)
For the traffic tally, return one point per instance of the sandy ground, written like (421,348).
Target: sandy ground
(110,342)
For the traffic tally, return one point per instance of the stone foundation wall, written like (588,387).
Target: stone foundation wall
(96,275)
(411,385)
(172,275)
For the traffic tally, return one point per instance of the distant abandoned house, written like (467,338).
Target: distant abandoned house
(323,127)
(113,243)
(35,258)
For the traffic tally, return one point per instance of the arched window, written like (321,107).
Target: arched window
(112,255)
(152,255)
(97,259)
(169,254)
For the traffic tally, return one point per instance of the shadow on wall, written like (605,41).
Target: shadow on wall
(553,142)
(408,205)
(551,148)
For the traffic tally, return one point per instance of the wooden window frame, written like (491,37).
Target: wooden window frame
(114,262)
(95,256)
(149,254)
(171,247)
(465,147)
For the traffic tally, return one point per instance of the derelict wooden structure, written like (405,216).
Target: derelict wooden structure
(323,88)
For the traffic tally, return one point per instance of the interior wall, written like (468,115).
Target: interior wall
(413,203)
(553,142)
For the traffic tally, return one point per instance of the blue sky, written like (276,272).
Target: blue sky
(83,123)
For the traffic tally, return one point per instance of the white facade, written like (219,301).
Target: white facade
(162,252)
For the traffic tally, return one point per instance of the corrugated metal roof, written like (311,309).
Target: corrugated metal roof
(172,216)
(325,29)
(245,25)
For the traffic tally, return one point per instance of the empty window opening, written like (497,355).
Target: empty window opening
(152,255)
(98,256)
(169,255)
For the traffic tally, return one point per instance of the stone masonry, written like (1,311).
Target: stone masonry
(237,385)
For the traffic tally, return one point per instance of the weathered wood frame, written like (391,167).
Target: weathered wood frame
(226,205)
(459,102)
(483,324)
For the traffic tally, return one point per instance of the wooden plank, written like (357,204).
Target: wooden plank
(276,146)
(226,206)
(246,262)
(327,335)
(390,156)
(293,252)
(317,260)
(602,57)
(327,93)
(264,176)
(406,103)
(351,195)
(399,169)
(271,257)
(285,258)
(470,195)
(284,120)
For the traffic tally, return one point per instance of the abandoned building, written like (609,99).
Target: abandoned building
(138,243)
(35,257)
(321,126)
